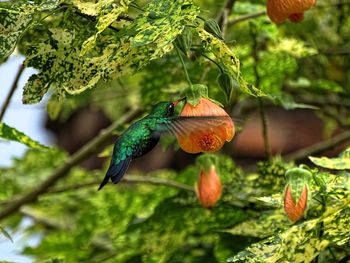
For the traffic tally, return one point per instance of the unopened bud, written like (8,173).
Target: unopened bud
(296,193)
(295,210)
(212,27)
(208,188)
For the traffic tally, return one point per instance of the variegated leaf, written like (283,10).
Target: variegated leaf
(150,36)
(108,12)
(339,163)
(15,19)
(10,133)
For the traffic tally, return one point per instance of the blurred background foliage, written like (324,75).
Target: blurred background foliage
(127,65)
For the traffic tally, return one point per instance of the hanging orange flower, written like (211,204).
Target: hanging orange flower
(207,134)
(281,10)
(294,210)
(208,188)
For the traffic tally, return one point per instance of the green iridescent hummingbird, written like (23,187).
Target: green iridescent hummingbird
(140,138)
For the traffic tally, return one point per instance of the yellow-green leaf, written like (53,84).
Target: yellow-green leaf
(12,134)
(339,163)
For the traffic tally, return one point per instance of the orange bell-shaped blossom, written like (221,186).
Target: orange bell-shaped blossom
(281,10)
(207,134)
(208,187)
(294,210)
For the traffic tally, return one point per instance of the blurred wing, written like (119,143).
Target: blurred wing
(184,126)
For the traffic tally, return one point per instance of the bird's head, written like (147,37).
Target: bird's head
(164,109)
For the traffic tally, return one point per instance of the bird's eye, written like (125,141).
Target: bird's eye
(171,109)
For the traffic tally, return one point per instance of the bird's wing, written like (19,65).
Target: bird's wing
(186,125)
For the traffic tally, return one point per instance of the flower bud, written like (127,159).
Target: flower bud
(208,187)
(294,210)
(212,27)
(296,193)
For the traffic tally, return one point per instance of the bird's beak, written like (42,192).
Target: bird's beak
(179,100)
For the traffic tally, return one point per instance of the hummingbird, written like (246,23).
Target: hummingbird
(143,135)
(140,138)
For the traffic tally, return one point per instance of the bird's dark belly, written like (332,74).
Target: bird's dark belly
(147,146)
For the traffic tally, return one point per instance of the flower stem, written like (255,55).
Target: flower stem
(184,66)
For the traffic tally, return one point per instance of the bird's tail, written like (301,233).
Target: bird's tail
(115,172)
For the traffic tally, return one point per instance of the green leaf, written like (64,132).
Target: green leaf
(227,60)
(339,163)
(294,47)
(9,133)
(6,234)
(265,225)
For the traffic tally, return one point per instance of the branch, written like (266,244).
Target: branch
(11,92)
(245,17)
(83,153)
(224,14)
(318,147)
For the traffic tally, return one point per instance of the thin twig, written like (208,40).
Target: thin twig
(11,92)
(263,117)
(224,14)
(245,17)
(319,147)
(83,153)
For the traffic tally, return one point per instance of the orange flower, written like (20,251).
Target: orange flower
(208,188)
(208,134)
(281,10)
(295,211)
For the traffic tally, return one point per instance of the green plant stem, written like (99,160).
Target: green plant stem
(183,65)
(11,92)
(61,172)
(213,62)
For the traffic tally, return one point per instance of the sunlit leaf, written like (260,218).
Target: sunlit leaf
(12,134)
(338,163)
